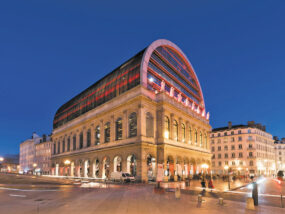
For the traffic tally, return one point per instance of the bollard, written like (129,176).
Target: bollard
(250,204)
(221,201)
(199,198)
(177,193)
(282,206)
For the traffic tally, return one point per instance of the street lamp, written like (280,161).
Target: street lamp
(226,167)
(1,159)
(66,162)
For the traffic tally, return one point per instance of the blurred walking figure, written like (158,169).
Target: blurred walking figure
(210,184)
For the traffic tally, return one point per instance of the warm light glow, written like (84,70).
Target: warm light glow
(226,167)
(67,162)
(166,134)
(205,166)
(239,169)
(1,159)
(34,165)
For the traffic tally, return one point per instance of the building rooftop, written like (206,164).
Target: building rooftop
(250,124)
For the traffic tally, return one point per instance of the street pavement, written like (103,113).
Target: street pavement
(116,198)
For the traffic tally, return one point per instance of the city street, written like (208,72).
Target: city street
(47,196)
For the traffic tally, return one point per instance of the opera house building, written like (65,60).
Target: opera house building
(146,113)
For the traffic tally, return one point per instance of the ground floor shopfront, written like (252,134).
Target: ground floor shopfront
(139,159)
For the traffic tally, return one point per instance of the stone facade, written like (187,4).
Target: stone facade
(43,156)
(149,147)
(245,149)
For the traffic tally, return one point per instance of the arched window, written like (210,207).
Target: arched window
(205,136)
(81,141)
(201,139)
(175,130)
(63,146)
(190,135)
(97,135)
(133,125)
(183,132)
(107,132)
(196,137)
(166,127)
(74,142)
(88,138)
(149,125)
(68,144)
(119,129)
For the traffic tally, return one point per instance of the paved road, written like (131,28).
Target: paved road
(133,198)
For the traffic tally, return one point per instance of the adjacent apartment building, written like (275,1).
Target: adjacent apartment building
(43,155)
(148,111)
(243,149)
(279,146)
(35,154)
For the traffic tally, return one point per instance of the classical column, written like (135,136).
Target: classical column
(160,124)
(102,133)
(84,131)
(187,137)
(171,126)
(92,135)
(125,124)
(77,139)
(140,120)
(112,129)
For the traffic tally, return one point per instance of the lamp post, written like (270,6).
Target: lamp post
(226,167)
(35,165)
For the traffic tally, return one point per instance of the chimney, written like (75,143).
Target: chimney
(44,138)
(230,125)
(275,138)
(283,139)
(250,123)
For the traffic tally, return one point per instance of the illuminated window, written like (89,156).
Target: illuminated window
(119,129)
(133,125)
(97,135)
(107,132)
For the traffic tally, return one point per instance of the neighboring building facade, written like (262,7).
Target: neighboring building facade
(148,111)
(245,149)
(10,164)
(28,152)
(279,146)
(43,155)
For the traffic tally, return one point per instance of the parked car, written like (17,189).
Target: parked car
(122,176)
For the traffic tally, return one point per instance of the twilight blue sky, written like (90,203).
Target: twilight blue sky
(52,50)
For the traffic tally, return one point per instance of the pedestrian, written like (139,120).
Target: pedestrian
(210,184)
(203,183)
